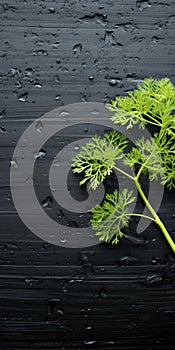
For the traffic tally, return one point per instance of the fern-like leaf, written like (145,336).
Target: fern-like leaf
(109,219)
(148,156)
(169,171)
(151,103)
(97,158)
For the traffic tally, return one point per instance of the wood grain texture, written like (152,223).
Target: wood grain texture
(53,53)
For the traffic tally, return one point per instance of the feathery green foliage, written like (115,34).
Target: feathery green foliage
(148,156)
(97,158)
(169,171)
(152,103)
(109,218)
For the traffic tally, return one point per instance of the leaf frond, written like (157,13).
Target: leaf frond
(148,156)
(97,158)
(153,102)
(109,219)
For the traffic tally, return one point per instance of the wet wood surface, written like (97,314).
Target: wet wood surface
(54,53)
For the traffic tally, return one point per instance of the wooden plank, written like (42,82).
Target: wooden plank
(53,53)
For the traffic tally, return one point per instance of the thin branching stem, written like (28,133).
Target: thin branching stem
(124,173)
(141,215)
(155,216)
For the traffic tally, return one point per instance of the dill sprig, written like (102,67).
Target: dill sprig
(151,103)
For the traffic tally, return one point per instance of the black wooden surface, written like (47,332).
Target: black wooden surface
(54,53)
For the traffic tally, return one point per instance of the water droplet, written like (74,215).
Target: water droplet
(41,154)
(83,96)
(168,311)
(14,163)
(56,45)
(64,288)
(60,312)
(29,281)
(38,85)
(57,97)
(18,84)
(5,7)
(155,39)
(13,71)
(57,79)
(47,202)
(85,130)
(58,60)
(77,49)
(2,113)
(88,328)
(2,129)
(83,258)
(54,308)
(53,190)
(60,213)
(51,9)
(39,126)
(91,78)
(142,4)
(102,293)
(127,260)
(29,179)
(56,163)
(95,113)
(113,82)
(23,97)
(63,114)
(109,38)
(135,81)
(76,148)
(73,224)
(155,260)
(153,279)
(40,53)
(89,342)
(39,43)
(97,17)
(102,269)
(28,72)
(84,65)
(131,325)
(63,240)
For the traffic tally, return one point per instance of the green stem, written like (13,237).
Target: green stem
(156,122)
(141,215)
(124,173)
(143,165)
(140,170)
(172,133)
(155,216)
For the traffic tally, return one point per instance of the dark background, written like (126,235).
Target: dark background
(54,53)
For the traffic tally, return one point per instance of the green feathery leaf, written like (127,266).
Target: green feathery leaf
(151,103)
(148,156)
(169,171)
(108,219)
(97,158)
